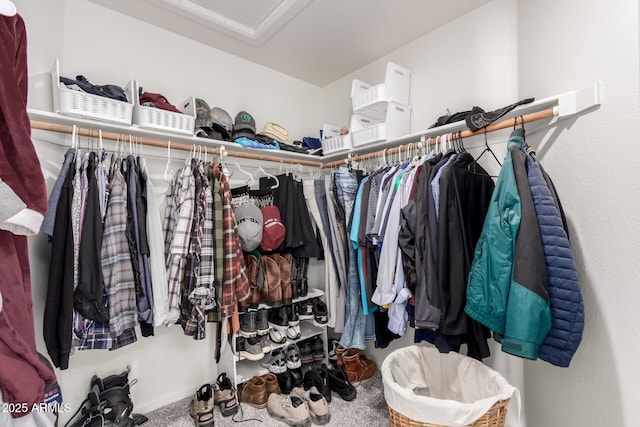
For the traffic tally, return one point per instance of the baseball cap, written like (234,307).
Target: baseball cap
(276,132)
(221,122)
(249,220)
(203,114)
(245,121)
(273,230)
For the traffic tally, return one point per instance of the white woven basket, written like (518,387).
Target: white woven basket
(86,105)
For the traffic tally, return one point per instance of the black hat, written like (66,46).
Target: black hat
(479,120)
(244,121)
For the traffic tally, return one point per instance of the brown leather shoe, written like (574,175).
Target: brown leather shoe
(285,278)
(271,289)
(254,392)
(253,267)
(358,368)
(271,382)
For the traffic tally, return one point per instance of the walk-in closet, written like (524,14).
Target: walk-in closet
(319,212)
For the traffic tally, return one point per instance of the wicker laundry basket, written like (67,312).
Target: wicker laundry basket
(426,388)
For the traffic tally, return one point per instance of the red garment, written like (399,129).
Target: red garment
(22,374)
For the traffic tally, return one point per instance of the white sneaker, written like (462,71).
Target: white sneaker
(290,409)
(318,406)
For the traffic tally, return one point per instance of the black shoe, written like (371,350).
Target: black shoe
(292,315)
(317,347)
(320,315)
(305,310)
(278,317)
(262,323)
(319,378)
(285,382)
(248,324)
(339,383)
(297,378)
(306,352)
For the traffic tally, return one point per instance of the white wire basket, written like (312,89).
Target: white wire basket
(75,103)
(157,118)
(332,141)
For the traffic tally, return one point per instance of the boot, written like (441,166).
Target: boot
(254,392)
(253,270)
(271,383)
(304,284)
(295,282)
(285,278)
(271,289)
(262,323)
(248,324)
(358,368)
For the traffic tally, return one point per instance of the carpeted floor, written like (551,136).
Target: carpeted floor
(367,409)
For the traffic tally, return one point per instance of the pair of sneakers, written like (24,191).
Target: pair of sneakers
(315,309)
(221,393)
(300,407)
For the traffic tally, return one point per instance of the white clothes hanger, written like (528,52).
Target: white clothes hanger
(250,181)
(168,172)
(268,175)
(7,8)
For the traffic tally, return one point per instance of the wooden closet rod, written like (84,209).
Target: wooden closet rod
(532,117)
(93,133)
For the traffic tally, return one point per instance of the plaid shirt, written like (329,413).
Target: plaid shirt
(92,335)
(117,270)
(177,224)
(235,285)
(192,314)
(218,244)
(207,275)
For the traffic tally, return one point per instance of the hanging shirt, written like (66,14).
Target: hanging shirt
(117,271)
(235,285)
(177,223)
(157,270)
(192,313)
(50,217)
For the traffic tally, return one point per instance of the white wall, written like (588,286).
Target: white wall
(469,61)
(109,47)
(595,163)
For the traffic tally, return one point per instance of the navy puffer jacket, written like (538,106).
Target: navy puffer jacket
(565,299)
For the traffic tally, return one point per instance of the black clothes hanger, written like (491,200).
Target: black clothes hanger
(518,131)
(472,167)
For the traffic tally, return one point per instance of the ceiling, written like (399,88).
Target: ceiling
(317,41)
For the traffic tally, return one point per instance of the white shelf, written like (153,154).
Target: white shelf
(311,293)
(245,368)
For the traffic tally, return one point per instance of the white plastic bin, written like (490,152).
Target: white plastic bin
(422,385)
(395,88)
(389,120)
(75,103)
(332,141)
(159,119)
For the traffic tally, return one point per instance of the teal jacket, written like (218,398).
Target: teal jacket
(507,288)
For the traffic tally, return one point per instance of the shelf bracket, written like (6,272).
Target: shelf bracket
(577,101)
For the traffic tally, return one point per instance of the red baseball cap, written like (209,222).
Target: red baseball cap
(273,231)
